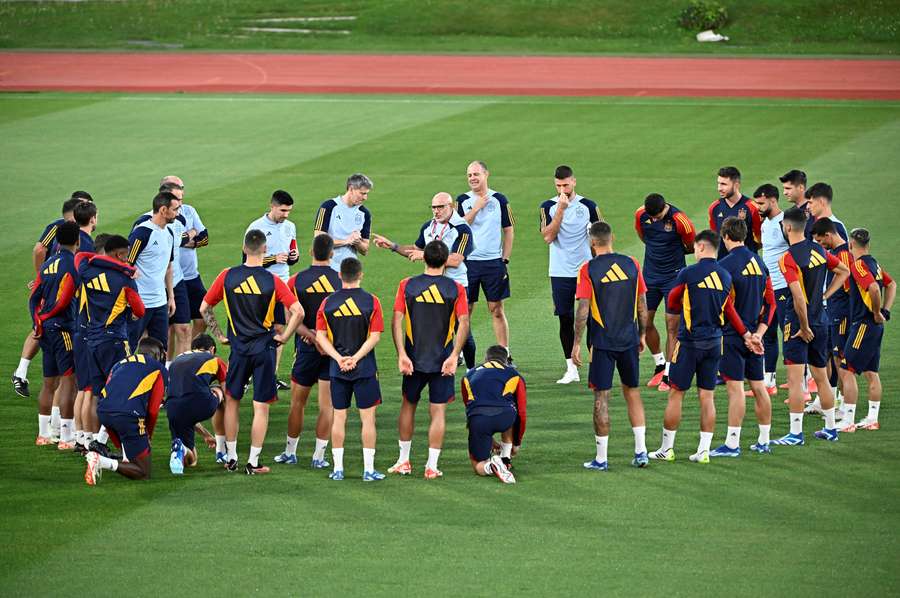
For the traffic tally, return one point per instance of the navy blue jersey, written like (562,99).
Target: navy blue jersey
(48,236)
(136,388)
(613,284)
(491,388)
(349,316)
(752,293)
(806,263)
(310,287)
(702,295)
(431,306)
(106,293)
(191,373)
(52,298)
(865,271)
(839,302)
(744,209)
(666,240)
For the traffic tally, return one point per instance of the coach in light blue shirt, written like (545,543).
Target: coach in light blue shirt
(564,225)
(346,220)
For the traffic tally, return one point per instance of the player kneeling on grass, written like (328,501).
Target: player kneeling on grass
(611,288)
(427,310)
(349,324)
(195,395)
(128,408)
(495,397)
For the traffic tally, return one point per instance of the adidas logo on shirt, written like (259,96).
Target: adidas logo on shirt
(52,268)
(347,308)
(614,274)
(320,286)
(752,269)
(248,287)
(430,295)
(712,281)
(815,260)
(99,283)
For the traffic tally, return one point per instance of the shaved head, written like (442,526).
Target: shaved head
(442,197)
(172,179)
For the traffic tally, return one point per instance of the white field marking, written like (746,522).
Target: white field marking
(289,30)
(425,99)
(303,19)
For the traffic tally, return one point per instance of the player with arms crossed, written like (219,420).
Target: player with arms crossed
(611,290)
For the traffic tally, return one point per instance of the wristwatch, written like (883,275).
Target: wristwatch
(505,260)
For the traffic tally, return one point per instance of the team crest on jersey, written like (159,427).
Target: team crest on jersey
(358,218)
(490,207)
(248,287)
(668,226)
(580,211)
(742,213)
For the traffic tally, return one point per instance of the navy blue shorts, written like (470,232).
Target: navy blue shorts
(56,350)
(839,336)
(196,292)
(603,363)
(310,367)
(490,275)
(563,289)
(103,357)
(657,295)
(862,352)
(440,387)
(700,358)
(182,313)
(260,367)
(82,357)
(366,390)
(739,362)
(185,412)
(128,432)
(155,323)
(482,428)
(798,352)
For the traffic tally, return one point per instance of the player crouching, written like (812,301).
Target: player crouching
(495,397)
(128,408)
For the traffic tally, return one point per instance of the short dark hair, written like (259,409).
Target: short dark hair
(151,347)
(796,177)
(601,232)
(563,172)
(69,205)
(796,217)
(100,242)
(170,187)
(203,342)
(860,236)
(730,172)
(83,213)
(282,198)
(322,246)
(820,190)
(254,240)
(497,353)
(351,269)
(82,195)
(163,198)
(436,254)
(654,204)
(766,190)
(114,243)
(822,227)
(68,233)
(708,236)
(734,229)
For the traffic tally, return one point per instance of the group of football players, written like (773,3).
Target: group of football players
(126,326)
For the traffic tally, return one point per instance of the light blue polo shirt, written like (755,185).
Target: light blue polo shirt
(152,250)
(339,220)
(488,224)
(572,246)
(773,247)
(278,240)
(457,236)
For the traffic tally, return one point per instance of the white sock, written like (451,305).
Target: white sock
(220,443)
(86,438)
(168,364)
(54,418)
(253,459)
(231,449)
(66,427)
(668,439)
(102,436)
(570,365)
(44,425)
(337,455)
(705,441)
(79,437)
(506,450)
(805,386)
(849,413)
(797,423)
(602,443)
(22,370)
(290,447)
(433,456)
(659,359)
(873,410)
(770,379)
(829,418)
(733,439)
(107,463)
(319,453)
(667,368)
(369,459)
(640,441)
(405,446)
(763,437)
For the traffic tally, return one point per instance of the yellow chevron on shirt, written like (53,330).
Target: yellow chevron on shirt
(614,274)
(99,283)
(712,281)
(321,285)
(347,308)
(430,295)
(752,268)
(248,287)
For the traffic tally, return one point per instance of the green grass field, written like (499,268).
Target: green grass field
(812,520)
(417,26)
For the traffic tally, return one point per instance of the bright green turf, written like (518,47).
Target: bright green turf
(505,26)
(817,519)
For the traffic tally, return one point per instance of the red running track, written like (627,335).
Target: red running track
(455,75)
